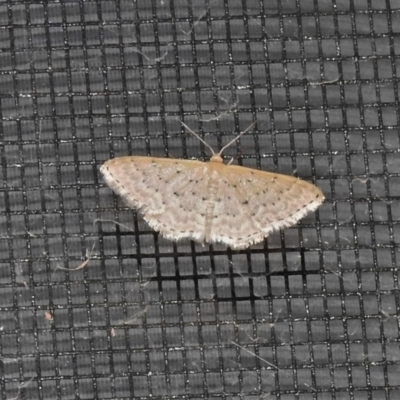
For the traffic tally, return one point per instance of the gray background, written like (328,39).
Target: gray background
(312,313)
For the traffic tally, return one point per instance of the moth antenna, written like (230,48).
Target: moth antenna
(237,137)
(198,137)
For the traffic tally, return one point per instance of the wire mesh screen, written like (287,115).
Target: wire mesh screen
(94,304)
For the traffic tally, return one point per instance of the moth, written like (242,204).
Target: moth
(210,202)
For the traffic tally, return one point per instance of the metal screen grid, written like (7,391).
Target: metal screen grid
(95,304)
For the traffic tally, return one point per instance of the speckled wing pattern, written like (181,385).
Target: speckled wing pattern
(210,202)
(171,194)
(250,204)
